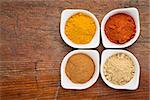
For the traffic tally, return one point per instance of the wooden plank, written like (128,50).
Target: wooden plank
(17,80)
(31,50)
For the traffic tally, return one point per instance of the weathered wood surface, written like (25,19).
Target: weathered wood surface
(31,50)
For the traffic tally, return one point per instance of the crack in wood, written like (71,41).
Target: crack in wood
(57,91)
(36,72)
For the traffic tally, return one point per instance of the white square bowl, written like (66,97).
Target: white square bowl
(67,14)
(133,12)
(67,83)
(134,82)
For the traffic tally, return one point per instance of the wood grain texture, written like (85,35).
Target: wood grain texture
(31,50)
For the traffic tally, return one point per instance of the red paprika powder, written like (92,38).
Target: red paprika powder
(120,28)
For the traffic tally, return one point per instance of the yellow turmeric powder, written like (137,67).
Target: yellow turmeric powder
(80,28)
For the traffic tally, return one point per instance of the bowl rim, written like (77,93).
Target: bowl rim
(67,83)
(134,82)
(134,13)
(67,13)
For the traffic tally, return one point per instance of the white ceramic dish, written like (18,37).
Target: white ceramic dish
(133,12)
(67,83)
(134,82)
(67,14)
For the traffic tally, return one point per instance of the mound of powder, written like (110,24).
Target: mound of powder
(80,28)
(80,68)
(119,69)
(120,28)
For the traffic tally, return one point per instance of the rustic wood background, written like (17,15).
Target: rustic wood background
(31,50)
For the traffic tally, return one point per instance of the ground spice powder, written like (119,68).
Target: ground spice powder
(80,68)
(119,69)
(80,28)
(120,28)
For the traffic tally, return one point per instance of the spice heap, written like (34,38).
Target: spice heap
(80,28)
(120,28)
(80,68)
(119,69)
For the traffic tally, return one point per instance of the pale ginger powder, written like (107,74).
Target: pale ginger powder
(119,69)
